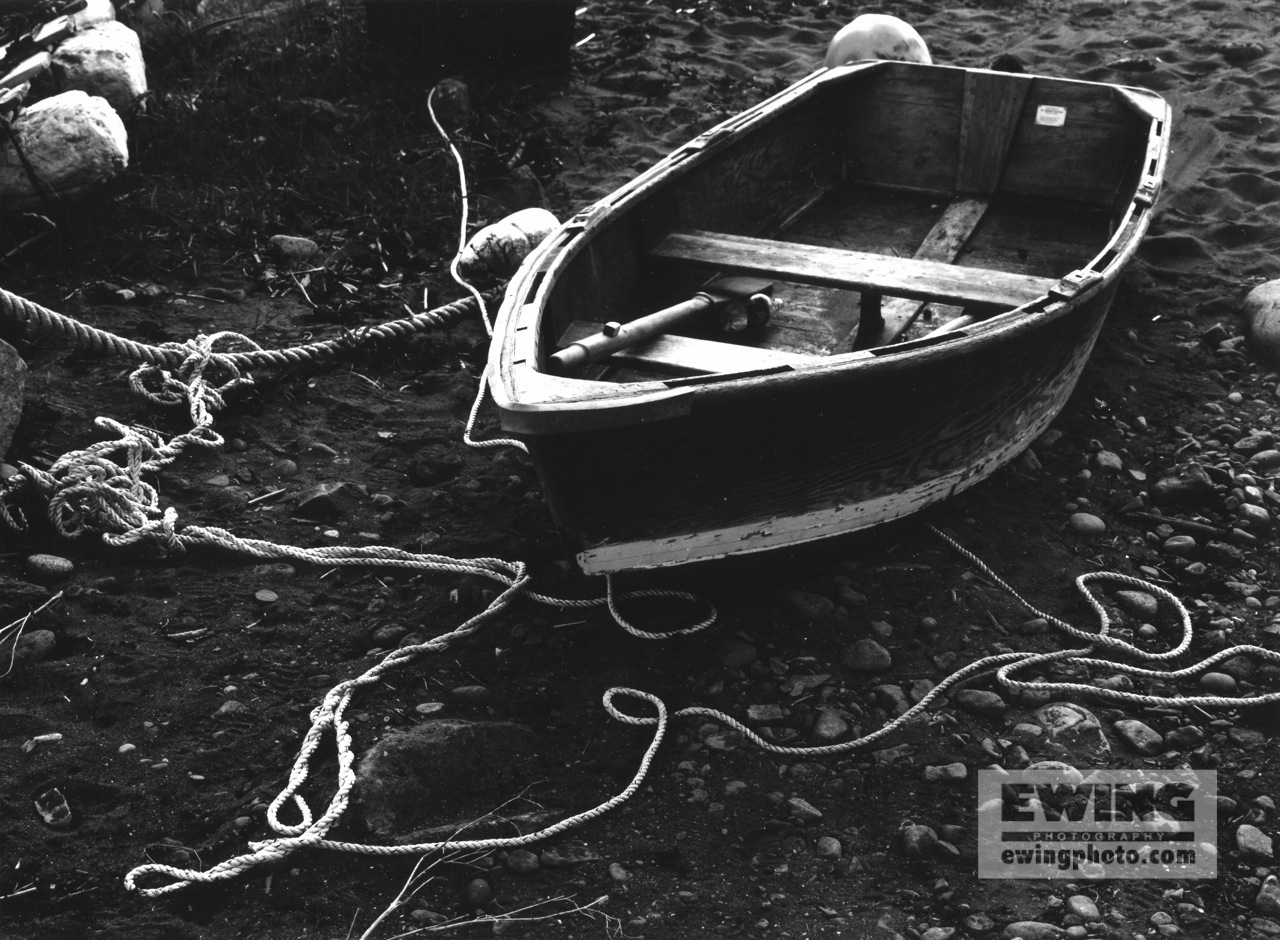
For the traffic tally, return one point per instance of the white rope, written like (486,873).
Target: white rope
(468,437)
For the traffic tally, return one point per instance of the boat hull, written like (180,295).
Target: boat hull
(788,462)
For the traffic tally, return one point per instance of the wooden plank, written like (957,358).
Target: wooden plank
(685,355)
(992,107)
(854,270)
(944,243)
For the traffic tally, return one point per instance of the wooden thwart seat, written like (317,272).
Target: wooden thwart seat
(685,355)
(855,270)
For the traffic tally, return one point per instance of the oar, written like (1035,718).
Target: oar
(741,302)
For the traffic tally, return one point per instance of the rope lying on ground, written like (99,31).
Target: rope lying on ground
(24,312)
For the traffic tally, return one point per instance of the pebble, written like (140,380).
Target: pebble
(1268,899)
(429,708)
(1032,930)
(618,874)
(918,841)
(292,248)
(946,773)
(34,646)
(1180,546)
(1061,771)
(1255,845)
(49,568)
(1218,683)
(829,847)
(765,714)
(478,893)
(229,708)
(1083,907)
(266,596)
(938,933)
(1086,523)
(1186,738)
(981,702)
(830,726)
(521,862)
(1108,461)
(1141,737)
(808,607)
(1138,604)
(803,810)
(126,748)
(474,694)
(979,923)
(866,656)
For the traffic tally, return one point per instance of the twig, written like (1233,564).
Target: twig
(13,632)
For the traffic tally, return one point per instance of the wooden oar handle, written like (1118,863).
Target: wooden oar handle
(615,336)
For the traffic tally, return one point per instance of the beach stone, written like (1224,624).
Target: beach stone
(1265,460)
(829,847)
(105,60)
(807,607)
(1108,461)
(328,501)
(1138,604)
(892,699)
(1254,518)
(876,36)
(979,923)
(1261,312)
(1182,490)
(981,702)
(829,727)
(946,773)
(1083,906)
(74,142)
(1073,727)
(33,646)
(1246,738)
(1186,738)
(49,569)
(938,933)
(406,776)
(1066,772)
(1180,546)
(521,862)
(918,841)
(1255,845)
(1221,553)
(1268,899)
(1141,737)
(1032,930)
(292,249)
(766,714)
(13,380)
(866,656)
(1086,523)
(1218,683)
(803,810)
(478,893)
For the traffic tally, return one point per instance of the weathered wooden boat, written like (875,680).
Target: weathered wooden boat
(839,307)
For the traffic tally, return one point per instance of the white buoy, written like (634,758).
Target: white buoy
(877,36)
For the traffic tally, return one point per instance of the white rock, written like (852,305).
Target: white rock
(75,143)
(1261,310)
(877,36)
(94,13)
(105,61)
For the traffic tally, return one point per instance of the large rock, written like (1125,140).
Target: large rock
(13,378)
(409,778)
(1261,310)
(105,61)
(73,141)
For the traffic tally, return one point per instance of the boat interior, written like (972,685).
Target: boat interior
(892,205)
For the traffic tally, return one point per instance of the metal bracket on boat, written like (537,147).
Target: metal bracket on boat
(1075,284)
(1146,194)
(737,303)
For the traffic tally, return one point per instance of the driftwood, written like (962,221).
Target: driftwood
(68,145)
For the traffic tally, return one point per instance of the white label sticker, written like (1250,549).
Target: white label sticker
(1051,115)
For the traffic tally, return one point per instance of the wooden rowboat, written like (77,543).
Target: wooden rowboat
(935,249)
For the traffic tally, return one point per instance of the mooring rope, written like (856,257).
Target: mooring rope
(23,312)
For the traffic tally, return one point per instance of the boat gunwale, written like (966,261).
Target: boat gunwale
(561,404)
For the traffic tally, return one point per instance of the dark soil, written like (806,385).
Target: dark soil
(231,150)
